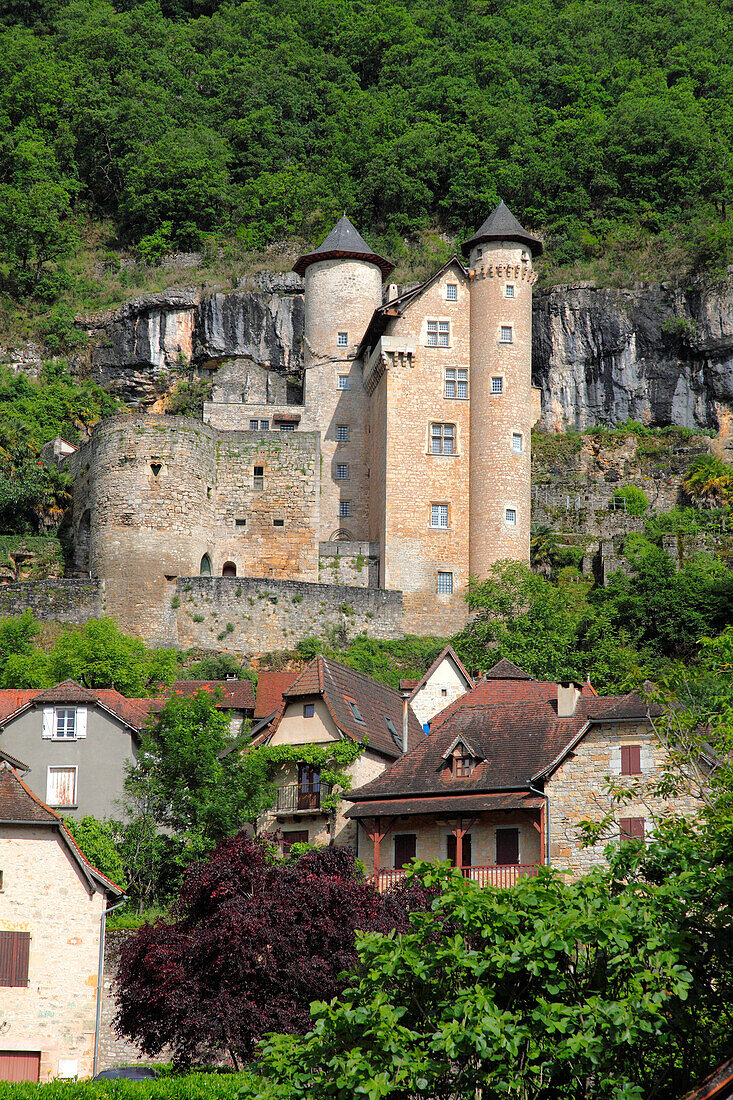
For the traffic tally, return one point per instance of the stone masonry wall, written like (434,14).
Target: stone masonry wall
(575,791)
(351,563)
(114,1050)
(53,599)
(254,615)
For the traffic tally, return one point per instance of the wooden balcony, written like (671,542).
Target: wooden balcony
(501,875)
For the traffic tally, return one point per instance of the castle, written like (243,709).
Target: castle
(401,465)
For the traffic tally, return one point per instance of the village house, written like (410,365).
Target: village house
(326,704)
(52,905)
(73,744)
(235,698)
(506,775)
(445,681)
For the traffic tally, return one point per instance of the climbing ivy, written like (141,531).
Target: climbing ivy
(332,760)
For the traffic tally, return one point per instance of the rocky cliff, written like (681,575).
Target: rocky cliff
(658,354)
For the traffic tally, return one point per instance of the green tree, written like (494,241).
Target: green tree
(100,843)
(98,654)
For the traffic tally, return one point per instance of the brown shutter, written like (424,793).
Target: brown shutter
(405,846)
(507,847)
(14,951)
(631,759)
(631,827)
(20,1065)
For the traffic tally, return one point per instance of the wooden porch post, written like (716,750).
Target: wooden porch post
(376,833)
(459,832)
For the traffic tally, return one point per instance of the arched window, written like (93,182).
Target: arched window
(229,569)
(205,567)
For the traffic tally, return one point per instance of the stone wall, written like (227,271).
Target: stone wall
(113,1050)
(355,564)
(255,615)
(53,600)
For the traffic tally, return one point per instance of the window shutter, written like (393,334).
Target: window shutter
(14,953)
(48,721)
(631,827)
(81,721)
(631,759)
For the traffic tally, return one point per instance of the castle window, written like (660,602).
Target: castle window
(205,567)
(229,569)
(344,508)
(309,710)
(445,583)
(343,382)
(510,515)
(439,516)
(254,425)
(264,425)
(156,467)
(240,523)
(456,383)
(258,477)
(451,292)
(343,340)
(342,472)
(479,253)
(438,334)
(442,439)
(497,385)
(505,334)
(278,523)
(509,290)
(517,442)
(342,433)
(287,427)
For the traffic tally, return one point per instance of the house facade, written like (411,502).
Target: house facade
(445,681)
(506,775)
(327,704)
(73,744)
(52,903)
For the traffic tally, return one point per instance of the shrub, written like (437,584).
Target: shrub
(631,499)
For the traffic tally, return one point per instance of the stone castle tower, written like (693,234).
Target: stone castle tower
(404,466)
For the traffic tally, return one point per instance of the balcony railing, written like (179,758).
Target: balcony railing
(293,800)
(501,875)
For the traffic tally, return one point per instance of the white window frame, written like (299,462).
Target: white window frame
(451,292)
(497,385)
(51,723)
(342,340)
(62,768)
(438,333)
(517,436)
(511,522)
(506,334)
(343,382)
(509,291)
(437,514)
(449,584)
(455,384)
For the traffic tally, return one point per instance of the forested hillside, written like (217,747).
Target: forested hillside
(606,125)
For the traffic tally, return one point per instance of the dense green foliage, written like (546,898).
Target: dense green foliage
(99,841)
(607,124)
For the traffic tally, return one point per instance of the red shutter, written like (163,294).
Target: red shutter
(631,827)
(20,1065)
(14,950)
(631,760)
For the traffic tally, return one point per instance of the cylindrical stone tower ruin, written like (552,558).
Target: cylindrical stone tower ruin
(343,287)
(500,258)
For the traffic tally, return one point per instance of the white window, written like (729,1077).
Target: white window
(445,583)
(61,787)
(344,507)
(439,516)
(517,444)
(438,334)
(258,477)
(64,723)
(442,439)
(456,383)
(343,340)
(451,292)
(343,382)
(432,334)
(510,516)
(287,427)
(509,290)
(342,433)
(264,425)
(497,385)
(342,471)
(505,335)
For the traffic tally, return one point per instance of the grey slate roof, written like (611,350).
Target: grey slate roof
(501,225)
(344,241)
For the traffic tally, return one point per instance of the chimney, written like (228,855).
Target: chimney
(567,699)
(405,705)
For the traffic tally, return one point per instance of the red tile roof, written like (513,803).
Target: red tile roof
(12,700)
(513,724)
(270,688)
(236,694)
(718,1086)
(375,702)
(466,803)
(132,712)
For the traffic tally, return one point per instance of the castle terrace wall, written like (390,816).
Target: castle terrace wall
(257,614)
(54,599)
(350,563)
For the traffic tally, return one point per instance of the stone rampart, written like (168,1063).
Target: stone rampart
(351,563)
(254,615)
(53,599)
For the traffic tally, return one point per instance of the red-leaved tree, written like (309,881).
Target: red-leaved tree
(256,940)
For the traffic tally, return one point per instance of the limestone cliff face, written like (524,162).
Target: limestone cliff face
(658,354)
(134,347)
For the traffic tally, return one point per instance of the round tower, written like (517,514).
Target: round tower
(343,287)
(500,259)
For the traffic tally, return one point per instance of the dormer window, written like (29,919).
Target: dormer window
(462,765)
(461,759)
(353,708)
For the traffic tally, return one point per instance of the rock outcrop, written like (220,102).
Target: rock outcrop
(658,354)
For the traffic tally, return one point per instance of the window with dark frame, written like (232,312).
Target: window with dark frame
(342,433)
(445,583)
(631,759)
(344,508)
(462,765)
(14,957)
(309,787)
(354,708)
(342,471)
(451,847)
(405,848)
(258,478)
(309,710)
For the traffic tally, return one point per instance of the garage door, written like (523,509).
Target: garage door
(20,1065)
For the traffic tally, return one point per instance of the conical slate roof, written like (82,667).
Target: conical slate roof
(344,242)
(501,225)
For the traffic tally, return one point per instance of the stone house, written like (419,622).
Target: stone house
(73,743)
(445,681)
(328,703)
(52,905)
(506,775)
(402,462)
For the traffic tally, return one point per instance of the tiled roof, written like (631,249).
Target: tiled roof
(132,712)
(12,700)
(375,703)
(512,724)
(466,803)
(506,670)
(501,225)
(68,691)
(718,1086)
(270,688)
(343,241)
(20,806)
(236,694)
(395,307)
